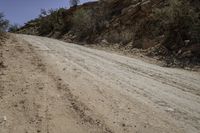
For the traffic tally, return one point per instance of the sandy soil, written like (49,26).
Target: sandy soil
(48,86)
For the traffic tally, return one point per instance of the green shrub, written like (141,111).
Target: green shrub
(83,23)
(52,21)
(45,26)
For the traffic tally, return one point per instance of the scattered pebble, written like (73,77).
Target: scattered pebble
(170,109)
(40,88)
(4,118)
(123,125)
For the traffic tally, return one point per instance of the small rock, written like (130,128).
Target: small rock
(179,52)
(187,54)
(104,42)
(187,42)
(4,118)
(123,125)
(170,109)
(40,88)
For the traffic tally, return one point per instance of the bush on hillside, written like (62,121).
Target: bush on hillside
(3,23)
(52,21)
(180,23)
(74,3)
(14,28)
(45,26)
(43,13)
(88,22)
(83,23)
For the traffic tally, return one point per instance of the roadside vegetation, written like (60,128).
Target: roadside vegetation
(13,28)
(6,26)
(74,3)
(170,28)
(180,24)
(3,23)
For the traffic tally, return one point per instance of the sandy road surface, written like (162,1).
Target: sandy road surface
(50,86)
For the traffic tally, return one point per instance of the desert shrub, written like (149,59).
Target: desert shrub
(3,23)
(74,2)
(89,23)
(45,26)
(52,21)
(180,22)
(43,13)
(60,22)
(13,28)
(83,23)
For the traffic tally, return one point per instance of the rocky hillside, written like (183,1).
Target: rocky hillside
(170,28)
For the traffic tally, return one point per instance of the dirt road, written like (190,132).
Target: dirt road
(48,86)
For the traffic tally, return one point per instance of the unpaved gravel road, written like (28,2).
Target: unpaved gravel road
(48,86)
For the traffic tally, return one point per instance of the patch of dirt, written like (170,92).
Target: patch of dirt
(19,97)
(80,108)
(33,99)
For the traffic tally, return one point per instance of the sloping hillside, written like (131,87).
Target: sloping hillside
(168,28)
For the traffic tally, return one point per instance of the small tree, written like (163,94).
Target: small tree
(74,3)
(13,28)
(43,13)
(3,23)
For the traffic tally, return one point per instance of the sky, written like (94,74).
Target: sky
(21,11)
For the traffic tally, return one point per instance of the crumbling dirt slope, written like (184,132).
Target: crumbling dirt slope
(49,86)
